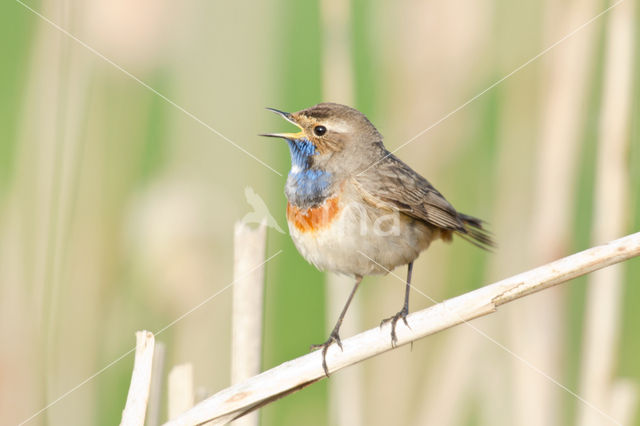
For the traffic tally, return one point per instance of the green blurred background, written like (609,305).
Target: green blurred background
(117,204)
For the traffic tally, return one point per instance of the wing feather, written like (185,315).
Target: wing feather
(393,183)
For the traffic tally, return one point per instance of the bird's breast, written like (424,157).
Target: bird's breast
(347,236)
(315,218)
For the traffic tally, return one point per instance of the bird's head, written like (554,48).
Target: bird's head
(331,136)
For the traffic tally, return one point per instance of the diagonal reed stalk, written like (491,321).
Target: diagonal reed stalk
(298,373)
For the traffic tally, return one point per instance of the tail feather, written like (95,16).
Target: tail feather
(475,233)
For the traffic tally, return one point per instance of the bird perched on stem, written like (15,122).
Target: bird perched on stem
(354,208)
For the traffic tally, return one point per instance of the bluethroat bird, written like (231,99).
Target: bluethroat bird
(354,208)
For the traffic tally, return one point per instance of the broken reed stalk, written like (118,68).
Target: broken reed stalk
(155,394)
(138,396)
(247,307)
(294,375)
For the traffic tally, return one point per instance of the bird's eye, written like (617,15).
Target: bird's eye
(319,130)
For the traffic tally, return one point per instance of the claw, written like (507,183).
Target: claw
(394,320)
(333,338)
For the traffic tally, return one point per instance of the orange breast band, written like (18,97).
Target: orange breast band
(314,218)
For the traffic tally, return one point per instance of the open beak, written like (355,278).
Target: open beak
(289,117)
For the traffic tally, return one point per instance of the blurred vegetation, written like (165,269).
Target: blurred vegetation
(117,208)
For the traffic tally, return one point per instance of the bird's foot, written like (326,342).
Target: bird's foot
(334,337)
(394,320)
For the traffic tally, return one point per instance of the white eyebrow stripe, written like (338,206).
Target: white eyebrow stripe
(339,126)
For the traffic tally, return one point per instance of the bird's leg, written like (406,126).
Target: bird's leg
(334,336)
(403,312)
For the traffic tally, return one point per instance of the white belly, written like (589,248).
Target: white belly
(362,241)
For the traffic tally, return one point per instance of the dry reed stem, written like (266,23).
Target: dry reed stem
(567,78)
(155,394)
(346,391)
(181,394)
(138,396)
(447,387)
(248,301)
(296,374)
(605,288)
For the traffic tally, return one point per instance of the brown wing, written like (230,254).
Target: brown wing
(394,183)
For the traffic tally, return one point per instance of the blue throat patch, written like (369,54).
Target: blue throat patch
(305,186)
